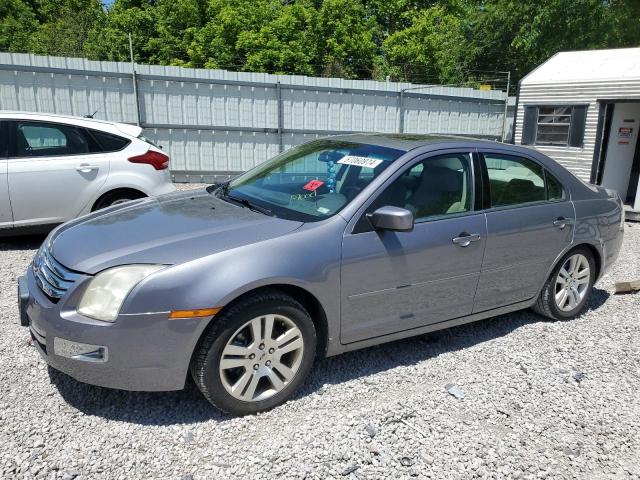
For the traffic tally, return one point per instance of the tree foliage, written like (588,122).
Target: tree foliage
(444,41)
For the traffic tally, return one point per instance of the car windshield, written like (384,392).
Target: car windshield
(310,182)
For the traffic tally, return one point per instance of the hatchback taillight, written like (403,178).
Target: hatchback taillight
(157,160)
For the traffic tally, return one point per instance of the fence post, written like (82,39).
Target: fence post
(135,82)
(280,117)
(401,111)
(506,108)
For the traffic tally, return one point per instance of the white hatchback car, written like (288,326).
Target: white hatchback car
(54,168)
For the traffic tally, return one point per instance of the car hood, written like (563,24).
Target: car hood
(170,229)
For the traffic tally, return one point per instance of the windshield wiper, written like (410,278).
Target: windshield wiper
(249,205)
(215,186)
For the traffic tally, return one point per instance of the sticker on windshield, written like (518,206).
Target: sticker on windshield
(313,185)
(360,161)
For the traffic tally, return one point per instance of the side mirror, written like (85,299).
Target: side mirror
(392,218)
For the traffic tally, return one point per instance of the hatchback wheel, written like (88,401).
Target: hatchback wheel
(257,353)
(568,289)
(116,198)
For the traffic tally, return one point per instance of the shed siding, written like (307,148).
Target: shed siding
(576,159)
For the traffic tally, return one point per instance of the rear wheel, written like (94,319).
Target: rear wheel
(256,355)
(569,286)
(116,198)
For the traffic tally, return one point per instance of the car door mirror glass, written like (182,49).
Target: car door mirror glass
(392,218)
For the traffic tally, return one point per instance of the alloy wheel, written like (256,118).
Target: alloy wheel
(120,201)
(261,358)
(572,282)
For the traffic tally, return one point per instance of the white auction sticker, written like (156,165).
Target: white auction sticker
(360,161)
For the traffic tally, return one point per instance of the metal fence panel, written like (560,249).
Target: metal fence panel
(217,122)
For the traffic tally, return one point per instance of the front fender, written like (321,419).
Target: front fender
(308,258)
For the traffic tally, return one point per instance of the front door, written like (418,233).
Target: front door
(395,281)
(530,222)
(52,172)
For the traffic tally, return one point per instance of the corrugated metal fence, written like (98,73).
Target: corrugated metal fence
(218,123)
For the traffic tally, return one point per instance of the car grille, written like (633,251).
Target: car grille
(53,278)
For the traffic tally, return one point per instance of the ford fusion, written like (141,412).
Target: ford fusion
(334,245)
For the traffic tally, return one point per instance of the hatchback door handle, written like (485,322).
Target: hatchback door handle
(85,167)
(561,222)
(465,239)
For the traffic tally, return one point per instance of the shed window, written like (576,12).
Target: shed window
(553,125)
(561,125)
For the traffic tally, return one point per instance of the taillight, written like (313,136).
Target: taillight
(157,160)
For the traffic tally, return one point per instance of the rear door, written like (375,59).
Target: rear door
(54,170)
(530,221)
(395,281)
(6,219)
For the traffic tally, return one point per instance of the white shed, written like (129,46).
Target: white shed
(583,110)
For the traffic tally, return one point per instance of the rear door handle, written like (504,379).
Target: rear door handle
(561,222)
(465,239)
(85,167)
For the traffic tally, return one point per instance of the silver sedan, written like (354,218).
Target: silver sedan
(335,245)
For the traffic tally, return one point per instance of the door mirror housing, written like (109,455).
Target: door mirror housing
(392,218)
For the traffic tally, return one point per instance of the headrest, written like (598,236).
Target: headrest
(442,179)
(521,184)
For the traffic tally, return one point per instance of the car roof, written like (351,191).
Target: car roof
(410,141)
(104,125)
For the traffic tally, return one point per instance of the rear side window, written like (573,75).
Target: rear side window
(108,142)
(514,180)
(42,139)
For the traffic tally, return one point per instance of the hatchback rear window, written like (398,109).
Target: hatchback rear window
(109,142)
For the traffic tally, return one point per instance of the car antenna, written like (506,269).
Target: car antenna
(91,115)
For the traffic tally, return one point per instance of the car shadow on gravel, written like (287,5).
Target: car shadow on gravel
(189,406)
(23,242)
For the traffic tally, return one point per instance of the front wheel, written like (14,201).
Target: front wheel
(257,353)
(569,286)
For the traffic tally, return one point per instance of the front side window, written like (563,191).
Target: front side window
(40,139)
(516,181)
(434,187)
(313,181)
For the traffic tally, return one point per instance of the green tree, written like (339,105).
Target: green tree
(17,24)
(284,45)
(216,43)
(432,49)
(449,41)
(64,26)
(109,39)
(345,37)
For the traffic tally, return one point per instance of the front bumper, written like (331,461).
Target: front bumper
(141,352)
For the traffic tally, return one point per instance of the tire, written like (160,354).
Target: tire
(558,307)
(116,197)
(245,384)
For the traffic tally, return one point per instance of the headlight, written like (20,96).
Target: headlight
(104,296)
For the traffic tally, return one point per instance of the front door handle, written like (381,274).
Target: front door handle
(86,168)
(561,222)
(465,239)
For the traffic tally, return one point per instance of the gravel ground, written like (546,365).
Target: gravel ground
(510,397)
